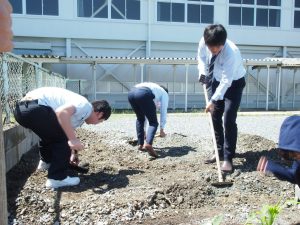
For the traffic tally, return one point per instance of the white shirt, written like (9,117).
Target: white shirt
(227,68)
(56,97)
(161,97)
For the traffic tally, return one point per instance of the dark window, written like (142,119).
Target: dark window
(235,1)
(163,11)
(274,18)
(42,7)
(17,6)
(133,9)
(34,7)
(297,19)
(249,2)
(275,2)
(297,3)
(207,14)
(207,0)
(247,16)
(100,9)
(177,12)
(118,9)
(262,2)
(262,17)
(50,7)
(193,13)
(235,15)
(84,8)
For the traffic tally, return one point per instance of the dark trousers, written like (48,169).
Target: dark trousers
(291,174)
(226,136)
(54,146)
(141,101)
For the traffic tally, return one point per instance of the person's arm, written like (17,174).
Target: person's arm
(6,36)
(163,113)
(201,58)
(64,114)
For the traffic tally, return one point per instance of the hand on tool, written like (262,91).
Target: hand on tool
(75,144)
(74,160)
(202,79)
(209,107)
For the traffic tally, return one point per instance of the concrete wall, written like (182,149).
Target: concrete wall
(17,141)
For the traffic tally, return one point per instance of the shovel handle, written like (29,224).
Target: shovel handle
(213,136)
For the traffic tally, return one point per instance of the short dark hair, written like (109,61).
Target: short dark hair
(102,106)
(215,35)
(163,87)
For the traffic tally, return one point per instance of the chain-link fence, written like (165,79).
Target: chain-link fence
(19,76)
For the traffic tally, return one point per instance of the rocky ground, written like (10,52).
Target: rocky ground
(126,186)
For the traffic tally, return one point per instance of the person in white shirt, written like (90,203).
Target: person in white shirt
(220,61)
(144,98)
(53,114)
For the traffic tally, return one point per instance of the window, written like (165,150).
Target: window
(197,11)
(170,12)
(297,14)
(42,7)
(92,8)
(125,9)
(200,12)
(264,13)
(17,6)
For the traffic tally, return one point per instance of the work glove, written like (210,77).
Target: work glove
(202,79)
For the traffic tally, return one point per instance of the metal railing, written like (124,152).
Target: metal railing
(19,76)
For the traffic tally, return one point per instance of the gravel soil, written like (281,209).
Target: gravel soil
(126,186)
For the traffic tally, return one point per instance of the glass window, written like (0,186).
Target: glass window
(17,6)
(177,12)
(42,7)
(297,3)
(262,2)
(84,8)
(207,0)
(34,7)
(50,7)
(275,2)
(274,18)
(193,13)
(297,19)
(249,2)
(164,11)
(133,9)
(235,15)
(235,1)
(118,9)
(100,9)
(207,13)
(247,16)
(262,17)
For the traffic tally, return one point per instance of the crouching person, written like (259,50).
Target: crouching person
(289,149)
(53,114)
(144,98)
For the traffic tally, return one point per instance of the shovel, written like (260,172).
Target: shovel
(221,182)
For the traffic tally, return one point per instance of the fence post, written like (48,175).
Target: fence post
(186,86)
(5,88)
(3,195)
(38,75)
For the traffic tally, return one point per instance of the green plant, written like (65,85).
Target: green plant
(268,213)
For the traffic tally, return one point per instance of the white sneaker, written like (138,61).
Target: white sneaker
(68,181)
(43,165)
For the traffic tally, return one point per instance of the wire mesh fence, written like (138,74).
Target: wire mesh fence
(19,76)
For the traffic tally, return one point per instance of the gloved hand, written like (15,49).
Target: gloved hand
(202,79)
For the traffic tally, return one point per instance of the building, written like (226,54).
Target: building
(158,28)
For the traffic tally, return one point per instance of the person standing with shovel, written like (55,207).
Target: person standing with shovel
(220,61)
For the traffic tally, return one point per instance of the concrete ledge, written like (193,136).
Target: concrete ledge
(17,141)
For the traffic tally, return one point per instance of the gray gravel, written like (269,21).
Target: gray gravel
(263,124)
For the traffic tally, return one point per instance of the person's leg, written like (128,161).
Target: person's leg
(42,120)
(140,121)
(232,98)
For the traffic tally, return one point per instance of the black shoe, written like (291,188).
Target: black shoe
(212,159)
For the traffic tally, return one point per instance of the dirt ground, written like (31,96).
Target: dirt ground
(126,186)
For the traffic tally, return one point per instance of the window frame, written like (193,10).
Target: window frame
(185,3)
(24,11)
(255,7)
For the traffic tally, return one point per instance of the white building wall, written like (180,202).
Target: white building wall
(69,35)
